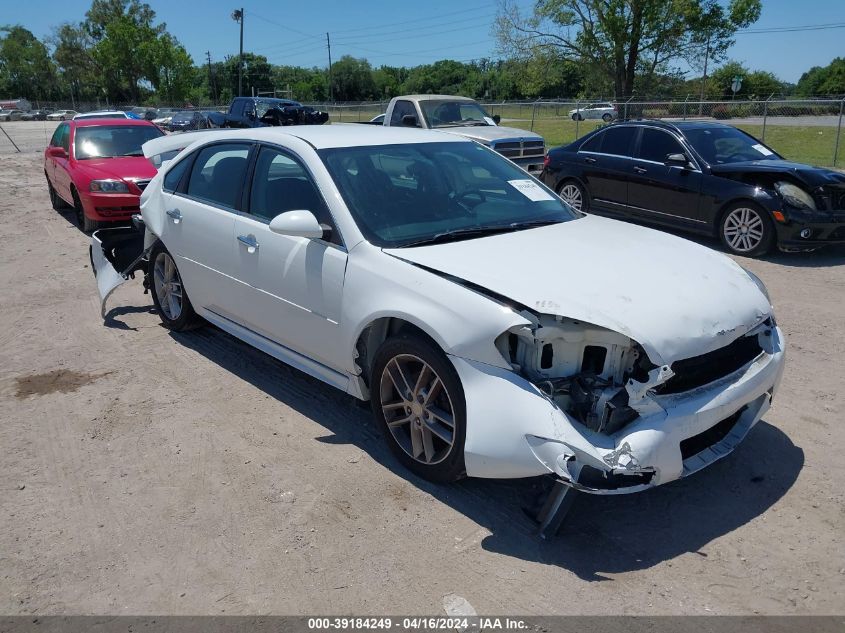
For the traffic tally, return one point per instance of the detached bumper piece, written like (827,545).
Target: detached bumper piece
(116,255)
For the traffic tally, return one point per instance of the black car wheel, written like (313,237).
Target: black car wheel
(607,117)
(746,229)
(83,221)
(418,401)
(574,195)
(577,117)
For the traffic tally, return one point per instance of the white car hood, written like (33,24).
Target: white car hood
(676,298)
(490,133)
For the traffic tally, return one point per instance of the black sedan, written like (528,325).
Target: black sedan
(188,120)
(705,177)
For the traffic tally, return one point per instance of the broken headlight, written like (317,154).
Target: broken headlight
(795,196)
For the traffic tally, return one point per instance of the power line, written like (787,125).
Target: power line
(425,28)
(284,26)
(392,24)
(794,29)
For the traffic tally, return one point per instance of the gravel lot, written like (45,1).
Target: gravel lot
(145,472)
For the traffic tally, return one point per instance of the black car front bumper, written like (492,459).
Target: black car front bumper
(807,230)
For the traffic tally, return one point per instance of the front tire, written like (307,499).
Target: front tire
(418,401)
(55,199)
(607,118)
(86,224)
(577,117)
(171,301)
(745,229)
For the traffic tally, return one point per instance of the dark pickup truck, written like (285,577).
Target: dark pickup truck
(265,111)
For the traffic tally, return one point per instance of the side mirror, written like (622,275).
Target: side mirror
(297,224)
(409,120)
(677,160)
(497,119)
(56,151)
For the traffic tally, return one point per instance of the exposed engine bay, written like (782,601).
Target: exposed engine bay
(601,377)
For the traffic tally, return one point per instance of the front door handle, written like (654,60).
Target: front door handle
(175,214)
(640,170)
(249,241)
(589,160)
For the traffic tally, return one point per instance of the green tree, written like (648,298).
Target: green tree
(823,80)
(26,69)
(170,68)
(756,84)
(352,79)
(72,55)
(625,40)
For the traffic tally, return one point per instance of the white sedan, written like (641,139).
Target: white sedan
(607,112)
(495,331)
(62,115)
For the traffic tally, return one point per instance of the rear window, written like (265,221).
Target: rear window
(218,173)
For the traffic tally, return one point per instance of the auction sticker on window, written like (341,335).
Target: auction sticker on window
(765,151)
(530,190)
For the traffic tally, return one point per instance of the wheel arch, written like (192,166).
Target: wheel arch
(377,331)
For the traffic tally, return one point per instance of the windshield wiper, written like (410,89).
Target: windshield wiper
(478,231)
(135,153)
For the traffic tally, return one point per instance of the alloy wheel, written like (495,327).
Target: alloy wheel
(743,229)
(571,194)
(168,286)
(417,409)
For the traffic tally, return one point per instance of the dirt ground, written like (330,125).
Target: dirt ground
(144,472)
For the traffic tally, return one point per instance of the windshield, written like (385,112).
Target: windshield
(182,117)
(108,141)
(721,145)
(453,113)
(401,195)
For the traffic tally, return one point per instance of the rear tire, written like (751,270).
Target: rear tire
(171,301)
(574,195)
(418,401)
(746,229)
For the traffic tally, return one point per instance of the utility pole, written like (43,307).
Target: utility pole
(238,16)
(704,77)
(211,94)
(329,46)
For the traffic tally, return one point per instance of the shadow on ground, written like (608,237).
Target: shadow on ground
(602,535)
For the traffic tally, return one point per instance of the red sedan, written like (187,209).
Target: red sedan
(96,166)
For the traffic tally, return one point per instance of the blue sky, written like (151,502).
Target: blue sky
(400,33)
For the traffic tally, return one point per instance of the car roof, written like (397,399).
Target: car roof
(111,122)
(337,135)
(678,126)
(435,98)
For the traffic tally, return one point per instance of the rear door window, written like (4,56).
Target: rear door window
(618,140)
(400,109)
(217,174)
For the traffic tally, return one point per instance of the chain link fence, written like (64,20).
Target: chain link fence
(806,131)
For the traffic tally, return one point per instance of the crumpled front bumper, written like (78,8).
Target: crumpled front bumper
(808,230)
(514,430)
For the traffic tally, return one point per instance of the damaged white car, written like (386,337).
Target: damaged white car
(496,332)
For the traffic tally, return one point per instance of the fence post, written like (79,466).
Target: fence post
(766,115)
(577,116)
(685,106)
(534,113)
(838,133)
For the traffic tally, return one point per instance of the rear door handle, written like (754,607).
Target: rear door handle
(640,170)
(249,241)
(175,214)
